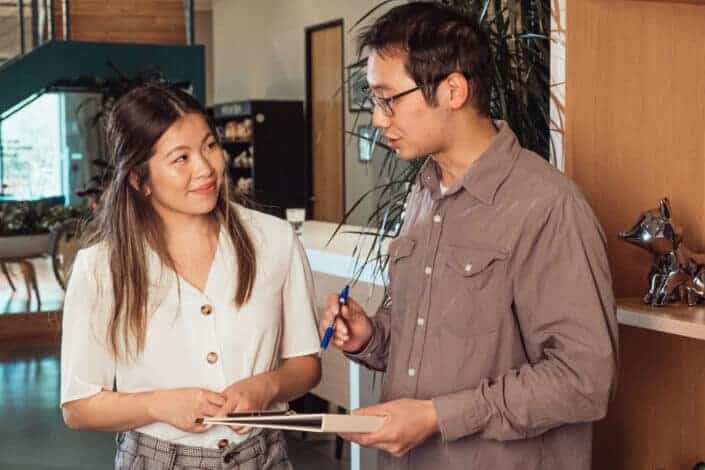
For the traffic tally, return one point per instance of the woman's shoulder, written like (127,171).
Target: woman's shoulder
(92,259)
(265,226)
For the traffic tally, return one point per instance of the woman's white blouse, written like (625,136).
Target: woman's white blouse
(194,338)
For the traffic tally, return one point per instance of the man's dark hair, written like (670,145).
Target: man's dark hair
(437,41)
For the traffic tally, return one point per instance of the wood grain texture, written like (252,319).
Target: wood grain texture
(327,133)
(635,129)
(635,132)
(656,419)
(134,21)
(692,2)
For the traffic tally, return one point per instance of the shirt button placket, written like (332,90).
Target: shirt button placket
(419,336)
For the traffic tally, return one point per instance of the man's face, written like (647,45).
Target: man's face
(414,128)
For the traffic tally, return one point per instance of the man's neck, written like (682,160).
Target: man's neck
(467,142)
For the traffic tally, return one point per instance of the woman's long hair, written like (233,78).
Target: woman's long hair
(127,224)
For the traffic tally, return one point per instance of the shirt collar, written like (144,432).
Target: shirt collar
(484,177)
(159,274)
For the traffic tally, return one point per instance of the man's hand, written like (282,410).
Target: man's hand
(353,328)
(251,394)
(407,423)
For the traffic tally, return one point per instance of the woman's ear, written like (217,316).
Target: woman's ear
(135,183)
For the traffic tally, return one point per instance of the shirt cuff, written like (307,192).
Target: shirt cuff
(368,355)
(461,414)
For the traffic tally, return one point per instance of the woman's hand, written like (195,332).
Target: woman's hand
(182,406)
(251,394)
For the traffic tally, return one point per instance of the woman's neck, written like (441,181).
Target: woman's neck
(184,231)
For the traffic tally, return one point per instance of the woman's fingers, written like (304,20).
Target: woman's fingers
(218,399)
(200,428)
(210,410)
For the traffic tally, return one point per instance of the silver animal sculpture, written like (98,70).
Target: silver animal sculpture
(678,274)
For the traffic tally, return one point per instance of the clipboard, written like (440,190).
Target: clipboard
(319,422)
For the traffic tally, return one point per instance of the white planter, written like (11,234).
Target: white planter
(24,246)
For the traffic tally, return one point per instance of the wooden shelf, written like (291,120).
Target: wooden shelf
(693,2)
(676,319)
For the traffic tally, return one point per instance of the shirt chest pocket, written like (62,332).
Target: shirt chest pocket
(474,288)
(473,267)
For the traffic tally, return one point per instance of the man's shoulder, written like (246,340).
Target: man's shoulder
(534,175)
(535,181)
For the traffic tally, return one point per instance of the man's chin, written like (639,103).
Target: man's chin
(403,154)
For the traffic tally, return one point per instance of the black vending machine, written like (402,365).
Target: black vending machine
(265,143)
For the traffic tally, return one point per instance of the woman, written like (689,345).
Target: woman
(184,304)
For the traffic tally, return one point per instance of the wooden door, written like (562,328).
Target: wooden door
(324,45)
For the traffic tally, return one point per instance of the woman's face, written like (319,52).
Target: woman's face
(186,170)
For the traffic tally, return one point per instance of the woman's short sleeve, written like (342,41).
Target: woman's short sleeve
(87,366)
(300,336)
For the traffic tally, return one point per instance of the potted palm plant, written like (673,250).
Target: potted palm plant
(25,227)
(23,231)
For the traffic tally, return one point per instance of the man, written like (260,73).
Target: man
(499,339)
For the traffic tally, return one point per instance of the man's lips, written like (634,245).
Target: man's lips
(392,141)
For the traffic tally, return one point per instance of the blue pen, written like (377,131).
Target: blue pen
(342,300)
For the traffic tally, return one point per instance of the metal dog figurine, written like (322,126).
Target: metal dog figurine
(678,274)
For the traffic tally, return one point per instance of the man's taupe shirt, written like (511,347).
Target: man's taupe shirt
(502,313)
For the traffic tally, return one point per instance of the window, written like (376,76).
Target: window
(31,163)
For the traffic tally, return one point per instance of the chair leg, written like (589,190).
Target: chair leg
(30,279)
(35,285)
(6,272)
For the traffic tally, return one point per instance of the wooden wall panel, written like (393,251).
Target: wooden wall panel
(635,129)
(656,420)
(693,2)
(138,21)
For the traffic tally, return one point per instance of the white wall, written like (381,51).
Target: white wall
(259,53)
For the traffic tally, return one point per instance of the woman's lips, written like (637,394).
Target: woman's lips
(205,189)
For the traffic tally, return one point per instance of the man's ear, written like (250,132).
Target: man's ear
(135,183)
(459,89)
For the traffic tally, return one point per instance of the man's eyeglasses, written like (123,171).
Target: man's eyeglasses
(385,104)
